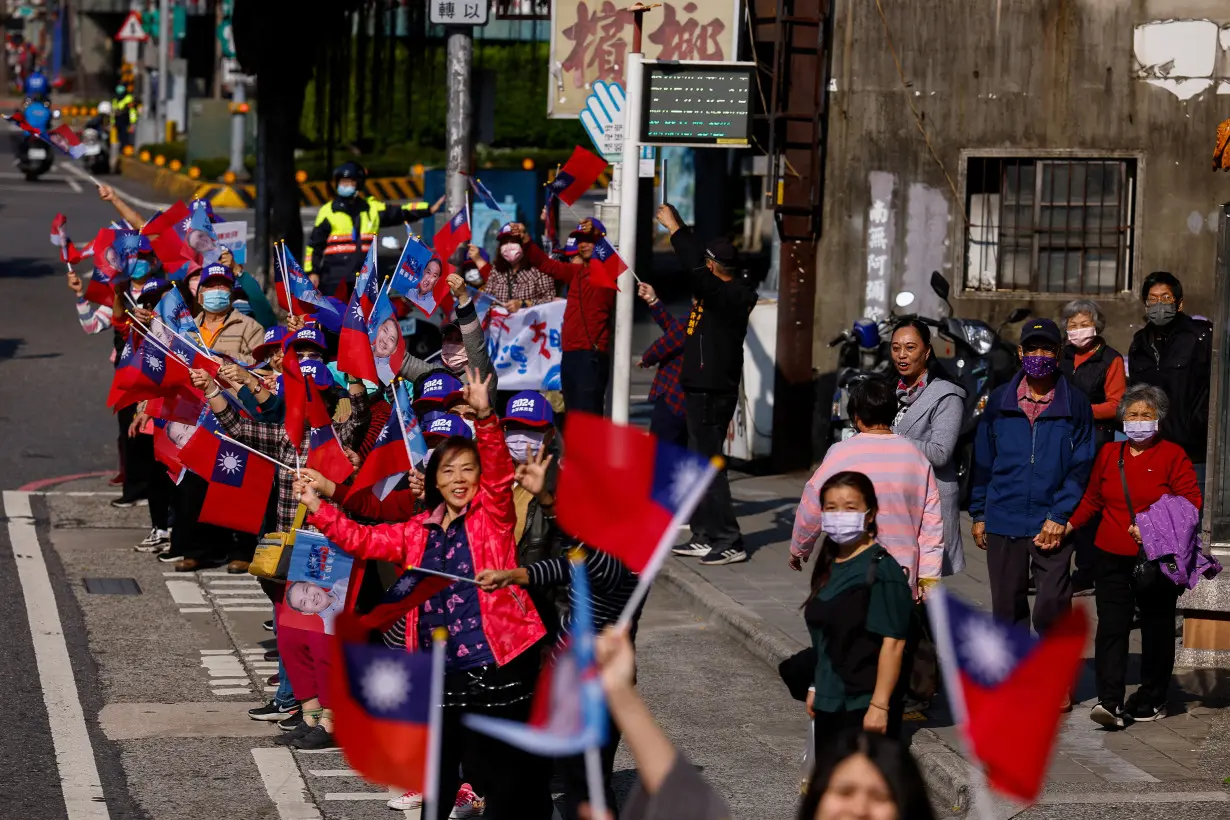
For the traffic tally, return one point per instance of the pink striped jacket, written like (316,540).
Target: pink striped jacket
(910,520)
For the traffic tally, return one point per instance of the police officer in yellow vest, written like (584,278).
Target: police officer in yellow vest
(124,114)
(347,226)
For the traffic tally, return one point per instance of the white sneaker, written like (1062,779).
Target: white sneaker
(467,804)
(155,541)
(695,549)
(409,800)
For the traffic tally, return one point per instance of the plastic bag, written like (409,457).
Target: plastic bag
(809,754)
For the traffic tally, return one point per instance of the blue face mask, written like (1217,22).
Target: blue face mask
(345,190)
(216,301)
(140,269)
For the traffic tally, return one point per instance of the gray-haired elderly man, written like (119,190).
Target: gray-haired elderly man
(1097,369)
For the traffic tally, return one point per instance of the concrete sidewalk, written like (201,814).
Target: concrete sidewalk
(1178,761)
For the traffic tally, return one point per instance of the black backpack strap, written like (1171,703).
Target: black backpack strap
(1123,478)
(872,567)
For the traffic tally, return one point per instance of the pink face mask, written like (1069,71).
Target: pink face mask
(454,356)
(511,252)
(1082,337)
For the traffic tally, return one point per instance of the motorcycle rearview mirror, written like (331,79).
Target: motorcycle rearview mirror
(904,299)
(940,285)
(389,243)
(1018,315)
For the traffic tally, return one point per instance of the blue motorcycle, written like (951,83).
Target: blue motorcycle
(33,154)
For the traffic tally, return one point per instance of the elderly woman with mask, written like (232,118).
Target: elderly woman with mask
(930,412)
(512,280)
(1129,477)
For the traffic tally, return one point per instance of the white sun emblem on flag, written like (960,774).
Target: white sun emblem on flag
(404,585)
(358,312)
(687,474)
(127,351)
(385,685)
(384,433)
(230,463)
(153,363)
(986,650)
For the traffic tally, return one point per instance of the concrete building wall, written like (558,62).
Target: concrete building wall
(1141,80)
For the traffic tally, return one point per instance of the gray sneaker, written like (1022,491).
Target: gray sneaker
(694,549)
(730,555)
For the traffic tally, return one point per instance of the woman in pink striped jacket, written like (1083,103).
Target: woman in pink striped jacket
(910,518)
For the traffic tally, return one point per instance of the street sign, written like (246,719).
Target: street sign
(227,38)
(603,119)
(458,12)
(697,103)
(131,30)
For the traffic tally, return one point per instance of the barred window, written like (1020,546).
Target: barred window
(1049,225)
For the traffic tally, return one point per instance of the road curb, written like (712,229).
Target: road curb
(946,773)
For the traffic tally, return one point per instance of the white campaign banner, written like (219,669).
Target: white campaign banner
(526,346)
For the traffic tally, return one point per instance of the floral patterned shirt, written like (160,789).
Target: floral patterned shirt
(455,607)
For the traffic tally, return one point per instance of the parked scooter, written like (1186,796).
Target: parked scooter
(33,155)
(96,140)
(864,353)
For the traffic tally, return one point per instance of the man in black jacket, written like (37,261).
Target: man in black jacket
(1174,352)
(712,370)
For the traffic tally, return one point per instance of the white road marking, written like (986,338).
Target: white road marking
(236,691)
(284,784)
(235,592)
(217,652)
(79,780)
(185,592)
(317,751)
(1134,797)
(266,608)
(195,610)
(72,183)
(127,197)
(254,650)
(333,773)
(229,681)
(356,796)
(233,582)
(214,572)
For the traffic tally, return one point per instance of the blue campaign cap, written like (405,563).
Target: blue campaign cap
(217,271)
(153,289)
(439,389)
(598,230)
(570,247)
(439,426)
(528,409)
(310,335)
(1041,329)
(274,337)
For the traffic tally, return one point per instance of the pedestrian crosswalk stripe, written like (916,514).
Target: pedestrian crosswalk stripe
(190,610)
(357,796)
(228,681)
(333,772)
(264,608)
(234,691)
(217,651)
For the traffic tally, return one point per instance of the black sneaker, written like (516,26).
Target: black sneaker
(1108,714)
(272,655)
(730,555)
(123,502)
(693,549)
(292,734)
(318,738)
(1139,711)
(267,625)
(170,556)
(272,712)
(293,722)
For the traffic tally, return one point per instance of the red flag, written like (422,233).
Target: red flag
(454,232)
(169,221)
(183,406)
(325,454)
(577,176)
(148,372)
(994,669)
(354,347)
(239,481)
(624,491)
(605,265)
(381,707)
(301,382)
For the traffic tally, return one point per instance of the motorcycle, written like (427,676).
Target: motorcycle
(982,360)
(33,155)
(96,159)
(864,353)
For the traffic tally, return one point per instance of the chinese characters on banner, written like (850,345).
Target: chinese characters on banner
(879,245)
(590,40)
(458,12)
(526,346)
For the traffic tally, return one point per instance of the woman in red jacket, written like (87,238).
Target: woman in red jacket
(492,655)
(1150,467)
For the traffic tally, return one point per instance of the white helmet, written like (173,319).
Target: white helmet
(104,107)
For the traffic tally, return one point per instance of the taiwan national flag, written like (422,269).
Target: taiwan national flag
(239,481)
(326,455)
(176,328)
(624,491)
(166,235)
(569,710)
(400,440)
(382,705)
(67,141)
(609,265)
(407,593)
(147,373)
(454,232)
(484,195)
(994,674)
(354,347)
(59,237)
(301,386)
(384,335)
(307,299)
(577,176)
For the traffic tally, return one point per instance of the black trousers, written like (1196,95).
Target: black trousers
(138,457)
(160,490)
(714,520)
(831,724)
(1009,560)
(205,542)
(583,378)
(666,425)
(1117,601)
(571,773)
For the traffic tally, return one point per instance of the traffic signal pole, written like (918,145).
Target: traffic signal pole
(457,122)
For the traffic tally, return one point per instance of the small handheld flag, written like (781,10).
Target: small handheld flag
(239,481)
(454,232)
(609,265)
(577,176)
(484,194)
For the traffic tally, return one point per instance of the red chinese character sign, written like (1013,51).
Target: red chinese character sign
(590,41)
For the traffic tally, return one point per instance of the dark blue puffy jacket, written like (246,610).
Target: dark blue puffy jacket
(1025,474)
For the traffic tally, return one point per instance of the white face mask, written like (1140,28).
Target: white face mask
(1140,431)
(523,442)
(1082,337)
(511,252)
(844,527)
(454,356)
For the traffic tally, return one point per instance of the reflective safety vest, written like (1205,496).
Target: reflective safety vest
(343,236)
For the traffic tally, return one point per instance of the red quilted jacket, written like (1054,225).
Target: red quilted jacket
(510,621)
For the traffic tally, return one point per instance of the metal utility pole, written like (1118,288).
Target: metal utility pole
(457,122)
(164,79)
(621,365)
(238,97)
